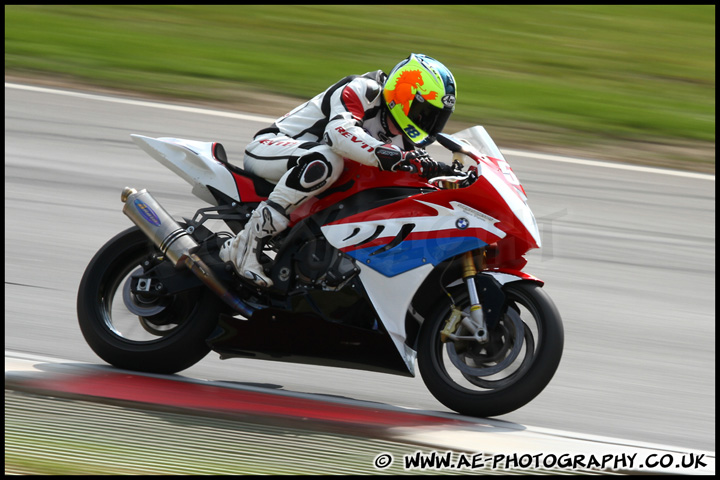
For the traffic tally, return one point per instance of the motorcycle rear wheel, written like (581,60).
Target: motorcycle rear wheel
(157,336)
(519,361)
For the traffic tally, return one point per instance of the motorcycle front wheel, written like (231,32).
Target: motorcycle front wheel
(157,335)
(503,374)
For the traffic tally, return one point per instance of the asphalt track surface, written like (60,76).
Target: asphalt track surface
(628,257)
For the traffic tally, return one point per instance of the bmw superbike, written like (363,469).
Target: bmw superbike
(385,271)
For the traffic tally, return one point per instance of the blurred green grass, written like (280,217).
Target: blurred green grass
(572,74)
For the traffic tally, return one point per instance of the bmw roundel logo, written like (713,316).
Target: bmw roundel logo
(462,223)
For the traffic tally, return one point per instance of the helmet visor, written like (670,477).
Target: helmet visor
(428,118)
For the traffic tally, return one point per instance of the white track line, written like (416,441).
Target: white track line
(267,119)
(143,103)
(619,166)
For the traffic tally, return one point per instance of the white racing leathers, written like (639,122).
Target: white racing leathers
(302,152)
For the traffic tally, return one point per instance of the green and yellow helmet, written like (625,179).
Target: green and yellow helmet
(420,95)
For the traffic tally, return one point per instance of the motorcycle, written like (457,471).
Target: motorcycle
(380,272)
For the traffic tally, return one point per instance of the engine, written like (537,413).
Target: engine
(319,264)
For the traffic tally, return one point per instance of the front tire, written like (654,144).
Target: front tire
(164,335)
(503,375)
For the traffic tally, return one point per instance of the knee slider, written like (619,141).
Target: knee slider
(311,172)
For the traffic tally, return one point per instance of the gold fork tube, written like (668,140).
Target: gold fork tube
(468,265)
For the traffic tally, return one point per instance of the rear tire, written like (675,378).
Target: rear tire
(525,347)
(164,336)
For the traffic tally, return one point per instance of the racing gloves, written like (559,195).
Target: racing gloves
(392,158)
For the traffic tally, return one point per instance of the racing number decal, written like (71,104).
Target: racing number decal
(411,131)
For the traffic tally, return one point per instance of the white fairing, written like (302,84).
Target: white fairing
(193,161)
(391,297)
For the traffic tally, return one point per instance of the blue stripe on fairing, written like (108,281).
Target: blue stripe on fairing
(414,253)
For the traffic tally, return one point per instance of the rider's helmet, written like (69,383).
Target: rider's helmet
(420,95)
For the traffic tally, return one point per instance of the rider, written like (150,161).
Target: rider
(375,119)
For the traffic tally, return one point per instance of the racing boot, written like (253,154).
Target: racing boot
(244,250)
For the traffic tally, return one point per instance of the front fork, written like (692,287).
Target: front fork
(474,323)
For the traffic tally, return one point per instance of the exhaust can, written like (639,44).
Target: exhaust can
(145,212)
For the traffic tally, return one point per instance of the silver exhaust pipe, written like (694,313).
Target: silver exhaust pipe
(175,242)
(155,222)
